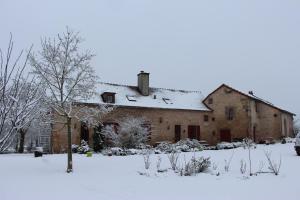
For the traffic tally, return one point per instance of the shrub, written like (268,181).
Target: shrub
(147,161)
(173,158)
(97,140)
(274,167)
(165,147)
(196,166)
(83,148)
(243,167)
(130,134)
(110,137)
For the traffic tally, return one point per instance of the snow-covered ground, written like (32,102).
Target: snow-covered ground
(101,177)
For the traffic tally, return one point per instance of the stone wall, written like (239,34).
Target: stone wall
(225,97)
(252,118)
(162,122)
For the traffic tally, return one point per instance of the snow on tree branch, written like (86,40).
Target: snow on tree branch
(20,96)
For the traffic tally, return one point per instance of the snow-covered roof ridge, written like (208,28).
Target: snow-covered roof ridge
(162,98)
(152,88)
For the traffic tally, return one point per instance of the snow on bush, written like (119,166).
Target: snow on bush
(165,147)
(173,158)
(110,137)
(83,148)
(75,148)
(192,143)
(131,134)
(224,145)
(195,166)
(288,140)
(147,161)
(238,144)
(243,167)
(186,145)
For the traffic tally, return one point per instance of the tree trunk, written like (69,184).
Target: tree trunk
(70,164)
(22,140)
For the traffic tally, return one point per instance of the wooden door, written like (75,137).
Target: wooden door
(194,132)
(177,133)
(84,133)
(225,135)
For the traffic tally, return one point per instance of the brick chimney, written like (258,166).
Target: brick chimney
(143,83)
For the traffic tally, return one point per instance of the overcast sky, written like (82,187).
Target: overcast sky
(184,44)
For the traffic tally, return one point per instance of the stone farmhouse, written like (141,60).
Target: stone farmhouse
(226,114)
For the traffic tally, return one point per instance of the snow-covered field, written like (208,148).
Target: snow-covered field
(101,177)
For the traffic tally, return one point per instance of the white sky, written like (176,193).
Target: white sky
(190,44)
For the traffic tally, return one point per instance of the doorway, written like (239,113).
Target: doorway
(177,133)
(225,135)
(194,132)
(84,132)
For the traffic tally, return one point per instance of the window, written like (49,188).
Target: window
(167,101)
(206,118)
(229,113)
(130,98)
(160,120)
(227,91)
(256,107)
(210,101)
(108,97)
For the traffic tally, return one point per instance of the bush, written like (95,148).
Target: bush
(110,137)
(165,147)
(83,148)
(75,148)
(191,143)
(173,158)
(97,140)
(147,161)
(186,145)
(224,145)
(196,166)
(130,134)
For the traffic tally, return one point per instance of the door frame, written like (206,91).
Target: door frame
(177,132)
(228,138)
(194,132)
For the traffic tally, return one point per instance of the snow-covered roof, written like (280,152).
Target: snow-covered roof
(158,97)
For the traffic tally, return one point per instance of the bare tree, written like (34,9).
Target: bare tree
(27,108)
(248,144)
(19,96)
(69,78)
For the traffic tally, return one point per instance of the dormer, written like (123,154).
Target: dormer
(108,97)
